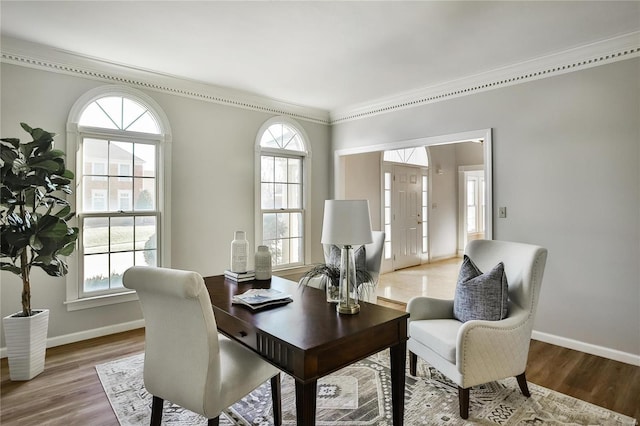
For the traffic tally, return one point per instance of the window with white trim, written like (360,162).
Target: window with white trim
(281,171)
(120,199)
(387,215)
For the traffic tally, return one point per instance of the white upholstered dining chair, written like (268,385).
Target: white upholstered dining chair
(186,361)
(476,351)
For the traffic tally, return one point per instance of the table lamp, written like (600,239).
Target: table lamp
(347,223)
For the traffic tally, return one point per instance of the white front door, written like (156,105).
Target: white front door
(406,226)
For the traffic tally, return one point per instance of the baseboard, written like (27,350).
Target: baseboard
(589,348)
(87,334)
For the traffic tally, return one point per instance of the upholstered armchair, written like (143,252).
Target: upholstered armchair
(477,351)
(186,361)
(373,263)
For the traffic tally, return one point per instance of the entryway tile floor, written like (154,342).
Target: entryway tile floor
(436,279)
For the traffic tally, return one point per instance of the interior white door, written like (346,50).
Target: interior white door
(406,224)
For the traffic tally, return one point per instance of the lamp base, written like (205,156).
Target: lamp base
(353,308)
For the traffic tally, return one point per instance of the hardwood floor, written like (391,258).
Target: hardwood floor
(69,392)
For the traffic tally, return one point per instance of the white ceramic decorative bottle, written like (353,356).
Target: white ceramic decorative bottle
(239,252)
(263,263)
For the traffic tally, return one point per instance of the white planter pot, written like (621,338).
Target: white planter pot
(26,339)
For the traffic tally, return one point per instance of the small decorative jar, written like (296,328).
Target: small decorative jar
(239,252)
(263,263)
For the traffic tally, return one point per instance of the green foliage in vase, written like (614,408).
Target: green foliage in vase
(332,273)
(33,213)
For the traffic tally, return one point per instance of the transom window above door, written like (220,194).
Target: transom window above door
(416,156)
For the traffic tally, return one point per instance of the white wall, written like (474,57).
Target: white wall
(443,212)
(469,154)
(362,182)
(566,156)
(212,182)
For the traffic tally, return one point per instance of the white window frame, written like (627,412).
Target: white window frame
(74,281)
(305,156)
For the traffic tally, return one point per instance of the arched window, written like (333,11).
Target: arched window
(281,175)
(121,138)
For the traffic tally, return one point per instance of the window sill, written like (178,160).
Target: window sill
(97,301)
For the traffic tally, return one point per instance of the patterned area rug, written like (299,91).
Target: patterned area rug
(361,395)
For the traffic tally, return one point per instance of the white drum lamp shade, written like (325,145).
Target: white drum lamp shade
(347,223)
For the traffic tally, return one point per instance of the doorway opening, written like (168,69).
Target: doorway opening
(418,207)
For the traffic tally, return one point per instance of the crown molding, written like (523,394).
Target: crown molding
(33,55)
(595,54)
(23,53)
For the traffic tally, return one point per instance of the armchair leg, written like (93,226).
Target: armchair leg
(463,397)
(413,363)
(522,382)
(276,400)
(214,422)
(156,411)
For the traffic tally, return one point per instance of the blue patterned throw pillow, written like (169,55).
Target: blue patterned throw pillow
(480,296)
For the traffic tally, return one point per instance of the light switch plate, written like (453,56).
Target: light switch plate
(502,212)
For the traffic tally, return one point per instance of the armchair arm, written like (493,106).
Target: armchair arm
(424,308)
(492,350)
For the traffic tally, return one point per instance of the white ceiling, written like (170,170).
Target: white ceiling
(321,54)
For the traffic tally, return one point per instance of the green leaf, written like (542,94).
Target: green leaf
(7,196)
(14,142)
(55,200)
(6,266)
(8,155)
(46,260)
(27,149)
(54,153)
(17,240)
(35,242)
(67,250)
(55,269)
(51,166)
(56,231)
(64,212)
(58,180)
(15,220)
(46,221)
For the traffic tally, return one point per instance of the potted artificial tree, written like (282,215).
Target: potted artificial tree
(34,233)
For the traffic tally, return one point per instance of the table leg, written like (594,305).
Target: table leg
(306,403)
(398,374)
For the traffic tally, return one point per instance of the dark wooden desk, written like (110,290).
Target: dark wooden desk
(308,339)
